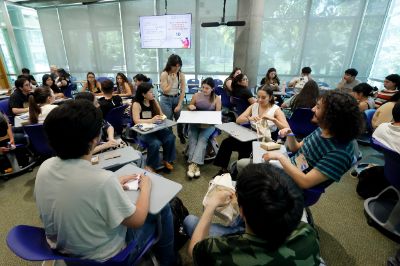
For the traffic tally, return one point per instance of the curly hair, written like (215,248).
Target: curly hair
(341,116)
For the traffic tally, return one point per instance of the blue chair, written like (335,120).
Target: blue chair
(38,140)
(240,105)
(218,83)
(29,243)
(382,211)
(366,136)
(5,109)
(225,99)
(68,91)
(300,122)
(193,86)
(116,118)
(101,79)
(322,84)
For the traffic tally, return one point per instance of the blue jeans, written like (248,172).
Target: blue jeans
(236,227)
(168,105)
(198,140)
(164,248)
(164,138)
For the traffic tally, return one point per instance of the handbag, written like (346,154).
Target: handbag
(229,212)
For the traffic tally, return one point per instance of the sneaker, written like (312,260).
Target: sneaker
(168,165)
(196,171)
(191,170)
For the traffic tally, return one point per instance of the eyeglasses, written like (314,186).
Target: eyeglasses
(245,79)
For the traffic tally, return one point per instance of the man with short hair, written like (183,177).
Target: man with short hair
(84,209)
(18,102)
(271,206)
(26,73)
(389,133)
(298,82)
(348,81)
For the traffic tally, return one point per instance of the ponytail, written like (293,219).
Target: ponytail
(34,110)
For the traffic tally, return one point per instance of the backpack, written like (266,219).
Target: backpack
(179,212)
(371,181)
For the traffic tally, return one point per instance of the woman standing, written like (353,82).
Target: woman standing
(145,109)
(206,100)
(173,84)
(91,84)
(123,86)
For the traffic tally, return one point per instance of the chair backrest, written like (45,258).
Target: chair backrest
(225,99)
(392,163)
(193,85)
(239,104)
(300,122)
(68,91)
(5,109)
(218,83)
(368,115)
(115,118)
(38,140)
(29,243)
(101,79)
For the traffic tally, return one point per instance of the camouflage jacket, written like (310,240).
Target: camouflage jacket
(301,248)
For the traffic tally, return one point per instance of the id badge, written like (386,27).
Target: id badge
(301,162)
(146,115)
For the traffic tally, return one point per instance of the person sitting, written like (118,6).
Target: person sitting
(26,73)
(84,209)
(145,109)
(139,79)
(18,102)
(206,100)
(40,105)
(92,85)
(108,101)
(307,98)
(391,84)
(384,113)
(124,88)
(228,81)
(348,81)
(263,111)
(107,139)
(7,144)
(389,133)
(271,78)
(49,82)
(63,79)
(298,82)
(363,92)
(271,206)
(326,154)
(240,89)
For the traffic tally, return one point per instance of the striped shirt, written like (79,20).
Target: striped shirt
(327,155)
(384,96)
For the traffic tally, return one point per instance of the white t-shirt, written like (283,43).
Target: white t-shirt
(82,208)
(45,110)
(388,135)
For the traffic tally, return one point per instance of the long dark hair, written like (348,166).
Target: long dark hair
(39,96)
(44,80)
(308,96)
(210,82)
(139,98)
(173,60)
(88,83)
(63,74)
(235,82)
(275,78)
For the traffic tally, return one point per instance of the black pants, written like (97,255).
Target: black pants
(230,145)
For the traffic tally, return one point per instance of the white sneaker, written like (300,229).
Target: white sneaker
(196,171)
(190,171)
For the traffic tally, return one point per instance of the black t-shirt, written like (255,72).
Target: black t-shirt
(107,104)
(30,77)
(242,93)
(17,100)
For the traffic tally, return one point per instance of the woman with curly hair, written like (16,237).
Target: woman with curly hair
(327,153)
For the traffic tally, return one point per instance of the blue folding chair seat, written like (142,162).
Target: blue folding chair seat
(116,118)
(29,243)
(39,141)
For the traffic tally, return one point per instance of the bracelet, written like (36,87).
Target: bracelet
(290,135)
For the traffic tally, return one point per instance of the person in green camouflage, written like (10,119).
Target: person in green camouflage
(271,205)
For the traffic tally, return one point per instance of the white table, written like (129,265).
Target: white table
(165,124)
(258,152)
(128,154)
(200,117)
(162,189)
(239,132)
(20,120)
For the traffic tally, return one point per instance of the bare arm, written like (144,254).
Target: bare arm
(136,109)
(192,105)
(279,119)
(182,87)
(229,84)
(128,91)
(165,87)
(18,111)
(251,100)
(84,87)
(291,141)
(245,116)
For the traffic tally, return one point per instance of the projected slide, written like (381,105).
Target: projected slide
(168,31)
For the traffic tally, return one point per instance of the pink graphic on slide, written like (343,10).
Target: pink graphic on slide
(186,43)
